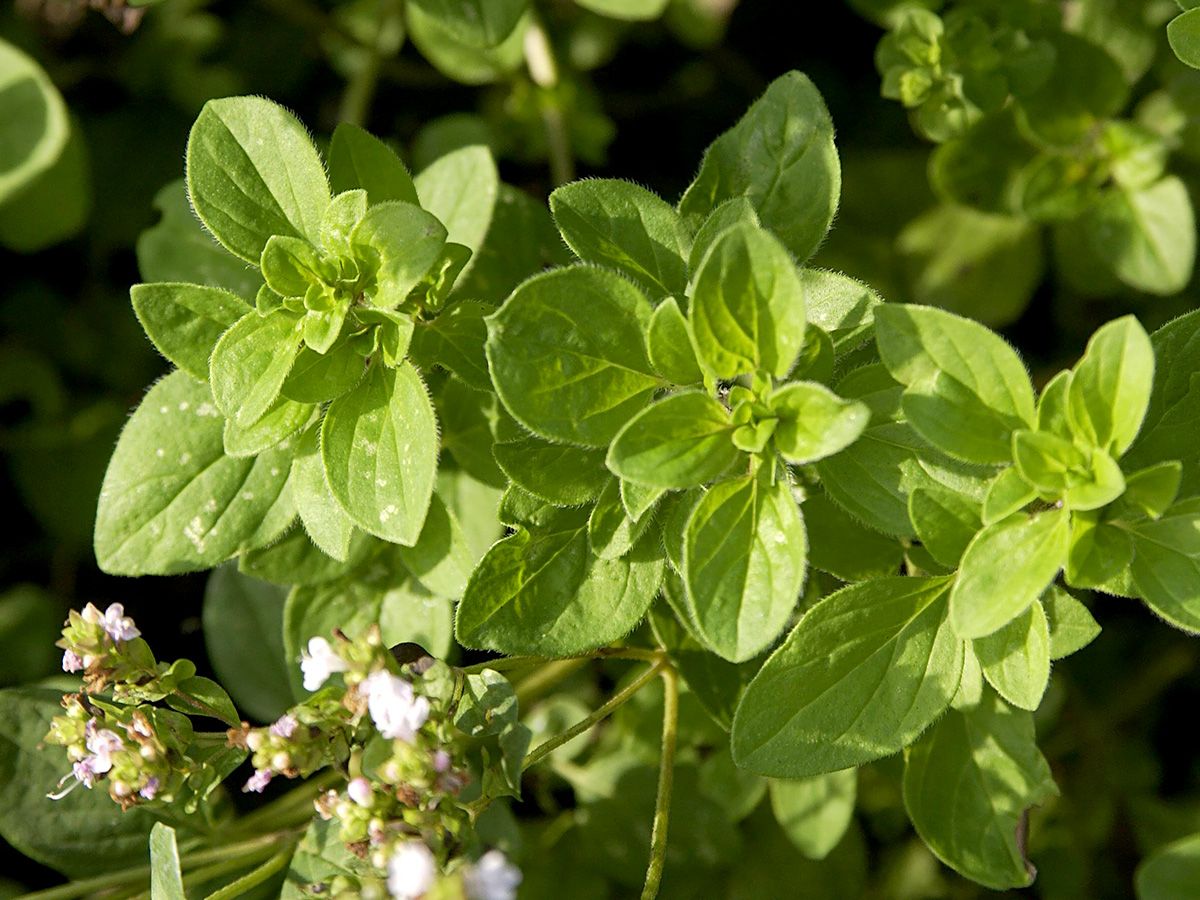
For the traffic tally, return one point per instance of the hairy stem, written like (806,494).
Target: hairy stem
(615,702)
(666,782)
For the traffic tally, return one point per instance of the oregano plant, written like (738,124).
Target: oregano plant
(605,543)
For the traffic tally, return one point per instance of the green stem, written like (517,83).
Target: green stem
(615,702)
(276,863)
(287,809)
(525,662)
(544,679)
(666,781)
(232,852)
(543,70)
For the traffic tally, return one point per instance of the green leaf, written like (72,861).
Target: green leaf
(1052,416)
(973,263)
(1184,34)
(861,676)
(681,441)
(629,10)
(358,159)
(743,563)
(1171,871)
(82,835)
(296,559)
(320,857)
(540,591)
(34,125)
(323,517)
(945,522)
(252,172)
(454,341)
(1166,564)
(403,241)
(747,308)
(727,214)
(1110,387)
(967,389)
(166,878)
(612,532)
(380,448)
(967,786)
(781,157)
(179,250)
(172,501)
(1152,490)
(843,547)
(620,224)
(488,708)
(471,422)
(1016,659)
(250,363)
(1100,552)
(638,499)
(521,240)
(557,473)
(1146,236)
(280,422)
(815,812)
(1072,626)
(478,23)
(441,559)
(567,354)
(872,478)
(243,632)
(320,377)
(669,345)
(1085,479)
(185,321)
(460,189)
(462,62)
(840,306)
(1005,568)
(814,422)
(1007,493)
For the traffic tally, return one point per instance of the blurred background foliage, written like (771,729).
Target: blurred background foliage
(990,147)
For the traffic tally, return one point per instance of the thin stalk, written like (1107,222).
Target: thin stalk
(666,782)
(278,813)
(537,683)
(543,69)
(615,702)
(525,662)
(239,852)
(276,863)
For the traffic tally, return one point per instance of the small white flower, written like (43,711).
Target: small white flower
(411,871)
(396,711)
(92,615)
(84,771)
(257,782)
(359,790)
(103,744)
(319,662)
(284,727)
(149,789)
(72,662)
(492,878)
(117,625)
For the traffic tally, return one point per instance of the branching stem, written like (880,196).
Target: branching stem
(666,782)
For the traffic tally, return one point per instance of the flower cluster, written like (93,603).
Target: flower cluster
(104,647)
(128,750)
